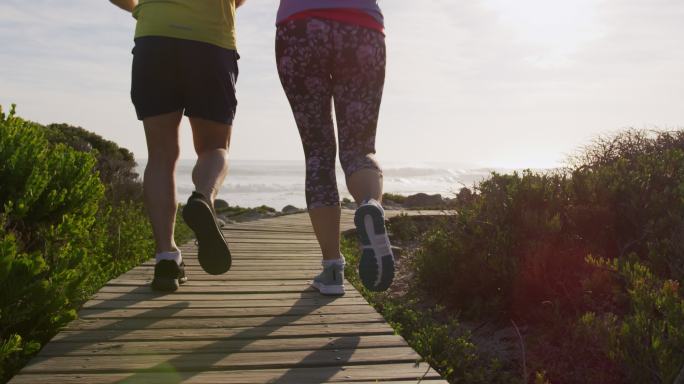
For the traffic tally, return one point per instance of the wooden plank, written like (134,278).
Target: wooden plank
(256,250)
(274,251)
(219,322)
(310,271)
(196,304)
(260,254)
(237,242)
(149,295)
(260,261)
(336,374)
(266,229)
(263,257)
(309,262)
(234,276)
(261,332)
(301,277)
(199,360)
(137,284)
(219,346)
(179,311)
(227,286)
(262,236)
(311,267)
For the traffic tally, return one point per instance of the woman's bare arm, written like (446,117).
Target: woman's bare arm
(126,5)
(239,3)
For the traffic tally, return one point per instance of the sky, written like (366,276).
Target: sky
(487,83)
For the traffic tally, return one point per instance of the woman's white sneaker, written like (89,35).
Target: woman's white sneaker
(330,282)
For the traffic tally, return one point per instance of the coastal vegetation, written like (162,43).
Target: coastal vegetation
(568,276)
(71,218)
(228,213)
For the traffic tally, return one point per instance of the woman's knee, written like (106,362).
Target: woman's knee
(352,163)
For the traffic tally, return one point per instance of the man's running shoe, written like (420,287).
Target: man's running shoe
(376,268)
(330,282)
(168,275)
(213,253)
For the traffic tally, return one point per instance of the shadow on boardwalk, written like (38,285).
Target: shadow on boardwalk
(173,371)
(119,328)
(323,373)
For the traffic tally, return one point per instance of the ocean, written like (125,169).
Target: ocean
(252,183)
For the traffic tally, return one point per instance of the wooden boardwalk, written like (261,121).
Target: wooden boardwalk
(258,323)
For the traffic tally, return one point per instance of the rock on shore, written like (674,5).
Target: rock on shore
(417,201)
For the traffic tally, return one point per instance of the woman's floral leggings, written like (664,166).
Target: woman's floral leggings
(320,61)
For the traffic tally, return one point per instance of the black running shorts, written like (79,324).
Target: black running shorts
(183,75)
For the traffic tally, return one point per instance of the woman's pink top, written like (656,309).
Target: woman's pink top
(343,15)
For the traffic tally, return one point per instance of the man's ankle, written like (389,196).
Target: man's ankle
(174,255)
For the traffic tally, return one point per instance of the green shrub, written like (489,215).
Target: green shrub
(649,340)
(403,227)
(50,198)
(13,352)
(129,240)
(628,197)
(411,230)
(517,230)
(518,248)
(445,345)
(569,351)
(182,233)
(399,199)
(496,254)
(238,213)
(68,224)
(115,165)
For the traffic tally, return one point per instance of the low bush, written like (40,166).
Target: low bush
(50,200)
(115,165)
(240,214)
(445,345)
(393,197)
(648,340)
(518,249)
(66,228)
(497,253)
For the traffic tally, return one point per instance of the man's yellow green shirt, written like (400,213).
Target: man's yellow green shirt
(209,21)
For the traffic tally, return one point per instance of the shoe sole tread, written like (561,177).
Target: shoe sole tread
(213,253)
(370,263)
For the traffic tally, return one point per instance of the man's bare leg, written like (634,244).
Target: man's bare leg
(211,140)
(211,144)
(159,183)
